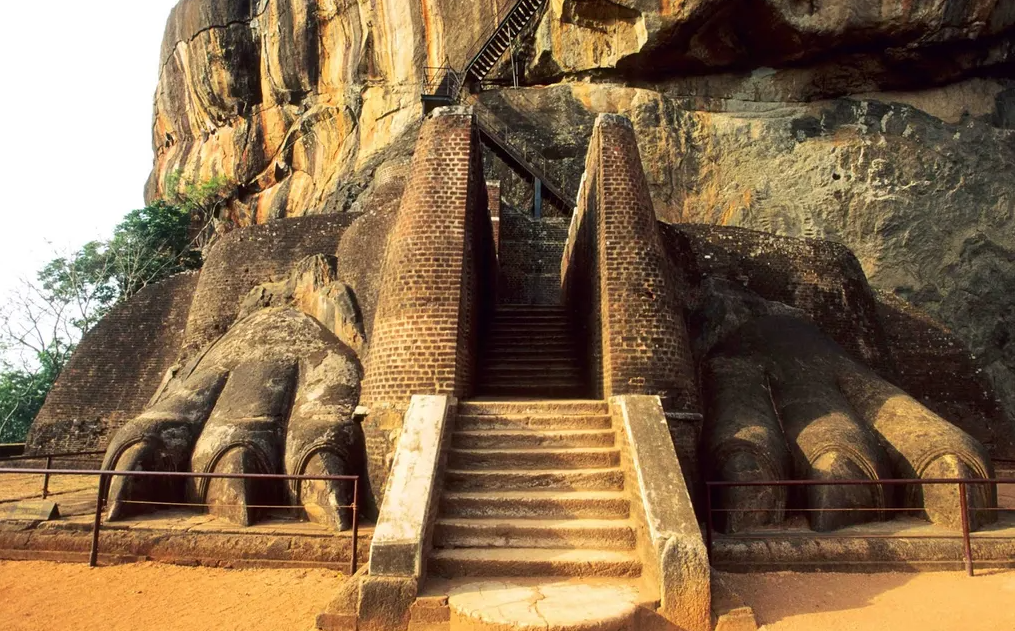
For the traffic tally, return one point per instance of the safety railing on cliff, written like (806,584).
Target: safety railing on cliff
(499,134)
(965,534)
(443,85)
(494,42)
(105,478)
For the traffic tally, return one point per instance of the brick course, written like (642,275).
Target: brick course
(530,254)
(433,284)
(821,278)
(248,257)
(619,282)
(935,367)
(115,370)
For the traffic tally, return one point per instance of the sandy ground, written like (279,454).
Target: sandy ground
(15,487)
(42,596)
(933,601)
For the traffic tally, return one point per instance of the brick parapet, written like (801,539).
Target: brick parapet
(117,367)
(426,326)
(618,278)
(493,204)
(248,257)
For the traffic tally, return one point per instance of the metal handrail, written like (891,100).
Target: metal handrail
(69,454)
(484,40)
(963,504)
(533,161)
(49,463)
(442,81)
(106,476)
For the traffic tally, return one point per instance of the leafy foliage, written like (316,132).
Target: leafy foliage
(22,393)
(42,321)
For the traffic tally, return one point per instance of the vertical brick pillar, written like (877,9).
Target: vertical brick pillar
(642,338)
(425,327)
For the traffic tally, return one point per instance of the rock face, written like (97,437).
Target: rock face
(886,126)
(296,101)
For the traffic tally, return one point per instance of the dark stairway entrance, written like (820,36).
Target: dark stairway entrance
(530,352)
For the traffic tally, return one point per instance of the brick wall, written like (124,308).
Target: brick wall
(821,278)
(530,254)
(116,369)
(935,367)
(618,279)
(433,289)
(245,258)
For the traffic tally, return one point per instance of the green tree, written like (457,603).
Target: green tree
(150,244)
(41,321)
(22,393)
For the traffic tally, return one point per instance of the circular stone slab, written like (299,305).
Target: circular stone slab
(498,605)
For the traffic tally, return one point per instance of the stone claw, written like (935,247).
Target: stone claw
(837,506)
(327,502)
(237,499)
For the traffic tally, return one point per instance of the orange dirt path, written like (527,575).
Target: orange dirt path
(43,596)
(932,601)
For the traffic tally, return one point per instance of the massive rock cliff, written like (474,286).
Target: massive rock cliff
(888,126)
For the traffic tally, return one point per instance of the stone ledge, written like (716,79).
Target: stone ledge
(674,551)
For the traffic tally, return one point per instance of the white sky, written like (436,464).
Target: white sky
(76,86)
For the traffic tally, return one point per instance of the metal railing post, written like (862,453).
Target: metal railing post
(355,525)
(45,478)
(966,544)
(100,500)
(708,521)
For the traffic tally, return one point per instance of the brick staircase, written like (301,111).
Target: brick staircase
(534,489)
(531,353)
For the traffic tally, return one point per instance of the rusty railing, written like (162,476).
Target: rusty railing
(49,458)
(106,476)
(962,483)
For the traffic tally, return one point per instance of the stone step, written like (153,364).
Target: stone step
(533,422)
(523,351)
(584,458)
(546,407)
(528,326)
(536,505)
(530,316)
(509,308)
(606,479)
(529,337)
(552,604)
(605,534)
(532,389)
(533,367)
(566,439)
(524,355)
(534,562)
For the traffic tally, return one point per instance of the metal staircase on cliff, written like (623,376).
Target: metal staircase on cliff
(443,86)
(508,29)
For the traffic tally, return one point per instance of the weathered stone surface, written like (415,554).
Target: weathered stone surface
(672,38)
(885,126)
(915,183)
(675,547)
(549,606)
(296,101)
(401,536)
(29,510)
(276,393)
